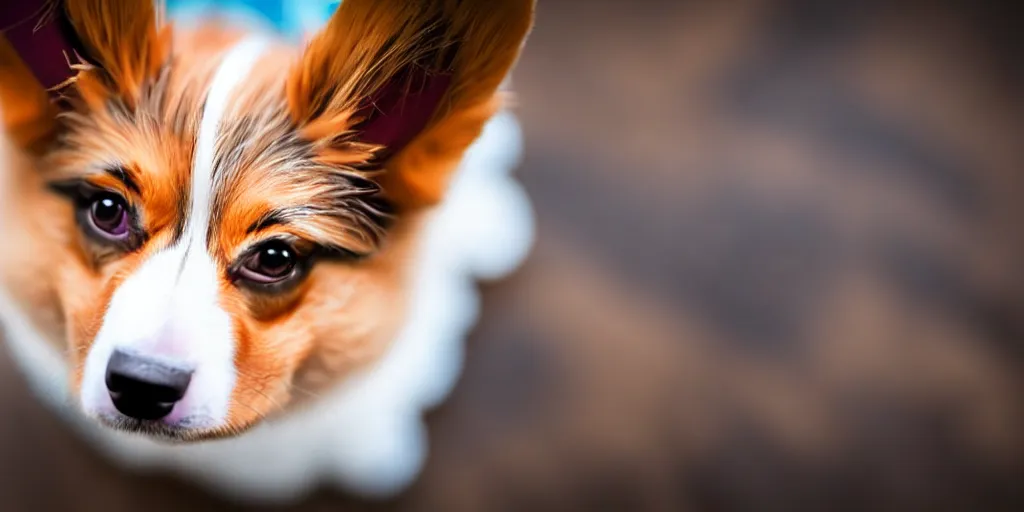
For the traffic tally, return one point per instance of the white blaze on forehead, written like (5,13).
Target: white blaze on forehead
(170,306)
(235,67)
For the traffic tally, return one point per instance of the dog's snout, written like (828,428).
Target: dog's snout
(143,387)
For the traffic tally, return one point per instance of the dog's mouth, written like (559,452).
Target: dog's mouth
(185,430)
(156,396)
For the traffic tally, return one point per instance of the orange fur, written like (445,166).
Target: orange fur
(105,27)
(369,42)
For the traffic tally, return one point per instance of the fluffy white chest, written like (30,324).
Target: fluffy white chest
(367,435)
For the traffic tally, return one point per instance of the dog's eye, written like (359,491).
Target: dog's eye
(271,262)
(108,216)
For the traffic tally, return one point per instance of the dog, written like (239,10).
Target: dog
(253,263)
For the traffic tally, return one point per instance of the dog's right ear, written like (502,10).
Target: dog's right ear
(26,110)
(125,44)
(102,50)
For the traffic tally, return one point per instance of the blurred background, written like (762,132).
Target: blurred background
(779,266)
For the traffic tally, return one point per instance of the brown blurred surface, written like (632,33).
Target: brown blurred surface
(780,266)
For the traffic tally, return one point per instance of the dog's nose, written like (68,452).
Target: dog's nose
(145,388)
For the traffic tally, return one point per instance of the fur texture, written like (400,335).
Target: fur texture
(214,154)
(366,435)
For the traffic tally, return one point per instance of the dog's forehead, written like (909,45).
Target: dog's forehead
(228,105)
(244,111)
(251,161)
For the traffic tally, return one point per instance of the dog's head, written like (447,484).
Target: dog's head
(216,225)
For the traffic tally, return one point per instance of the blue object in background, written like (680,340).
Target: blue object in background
(292,18)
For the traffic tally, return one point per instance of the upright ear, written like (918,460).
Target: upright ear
(125,44)
(406,86)
(27,113)
(120,43)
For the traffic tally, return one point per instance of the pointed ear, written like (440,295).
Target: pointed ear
(26,109)
(119,43)
(33,45)
(406,86)
(125,43)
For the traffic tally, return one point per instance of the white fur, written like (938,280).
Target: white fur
(367,435)
(235,66)
(169,306)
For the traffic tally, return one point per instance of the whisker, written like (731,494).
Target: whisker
(291,387)
(308,393)
(277,405)
(259,415)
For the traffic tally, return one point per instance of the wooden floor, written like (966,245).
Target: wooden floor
(780,266)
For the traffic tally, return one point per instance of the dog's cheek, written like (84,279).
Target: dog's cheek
(244,409)
(85,295)
(354,313)
(266,356)
(34,228)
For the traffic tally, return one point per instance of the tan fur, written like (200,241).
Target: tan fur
(286,145)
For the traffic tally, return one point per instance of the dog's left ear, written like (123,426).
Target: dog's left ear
(406,86)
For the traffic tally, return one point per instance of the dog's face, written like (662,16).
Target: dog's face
(234,222)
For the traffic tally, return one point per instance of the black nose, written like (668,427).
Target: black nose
(145,388)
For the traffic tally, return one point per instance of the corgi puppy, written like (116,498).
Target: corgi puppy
(254,263)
